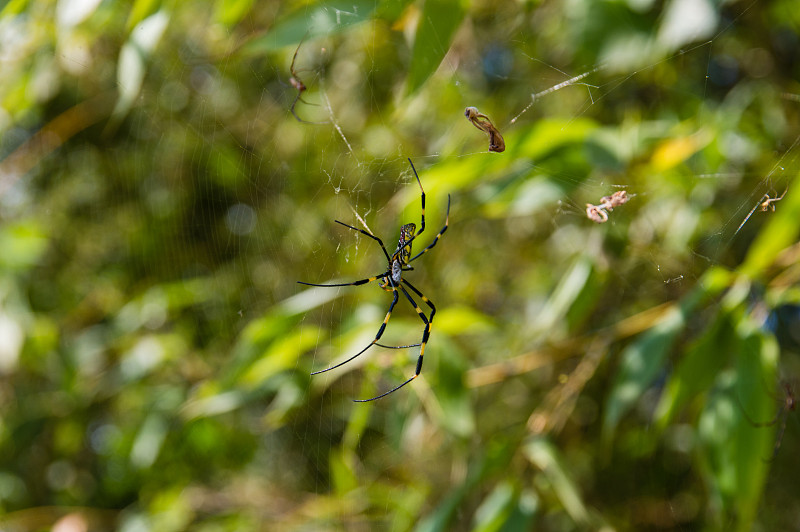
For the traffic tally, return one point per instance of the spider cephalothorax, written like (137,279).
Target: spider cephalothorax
(392,281)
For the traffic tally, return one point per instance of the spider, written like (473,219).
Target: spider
(482,122)
(768,203)
(392,281)
(788,406)
(298,84)
(765,203)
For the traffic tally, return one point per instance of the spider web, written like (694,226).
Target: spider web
(388,193)
(254,231)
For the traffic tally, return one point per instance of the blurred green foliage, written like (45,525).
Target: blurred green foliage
(158,203)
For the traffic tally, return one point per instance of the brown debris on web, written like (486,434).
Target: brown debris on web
(482,122)
(599,213)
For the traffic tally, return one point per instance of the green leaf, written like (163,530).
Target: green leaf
(569,288)
(544,455)
(343,477)
(756,369)
(132,60)
(326,18)
(141,10)
(735,453)
(230,12)
(460,319)
(70,13)
(779,233)
(495,508)
(704,359)
(437,26)
(441,516)
(697,370)
(550,134)
(22,244)
(644,358)
(641,363)
(522,514)
(14,7)
(280,356)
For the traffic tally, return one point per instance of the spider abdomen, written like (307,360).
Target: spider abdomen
(397,271)
(403,252)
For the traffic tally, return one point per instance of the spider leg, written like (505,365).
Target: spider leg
(422,223)
(356,283)
(749,214)
(397,346)
(425,299)
(438,235)
(294,113)
(373,237)
(422,197)
(373,342)
(430,318)
(779,437)
(425,334)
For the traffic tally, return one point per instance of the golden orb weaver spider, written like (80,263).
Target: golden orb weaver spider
(393,281)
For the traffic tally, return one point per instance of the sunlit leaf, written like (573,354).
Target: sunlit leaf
(133,58)
(342,476)
(325,18)
(686,21)
(440,518)
(640,364)
(149,440)
(280,356)
(495,509)
(544,456)
(437,25)
(644,359)
(704,359)
(569,288)
(72,12)
(14,7)
(141,10)
(756,369)
(232,11)
(23,245)
(523,513)
(672,152)
(459,319)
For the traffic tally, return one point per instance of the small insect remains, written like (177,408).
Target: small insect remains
(789,405)
(482,122)
(599,213)
(392,280)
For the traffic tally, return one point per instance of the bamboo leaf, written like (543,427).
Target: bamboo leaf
(437,26)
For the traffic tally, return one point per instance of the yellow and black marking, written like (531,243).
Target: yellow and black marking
(438,235)
(373,342)
(392,281)
(403,252)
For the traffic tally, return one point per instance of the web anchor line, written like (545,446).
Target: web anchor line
(555,88)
